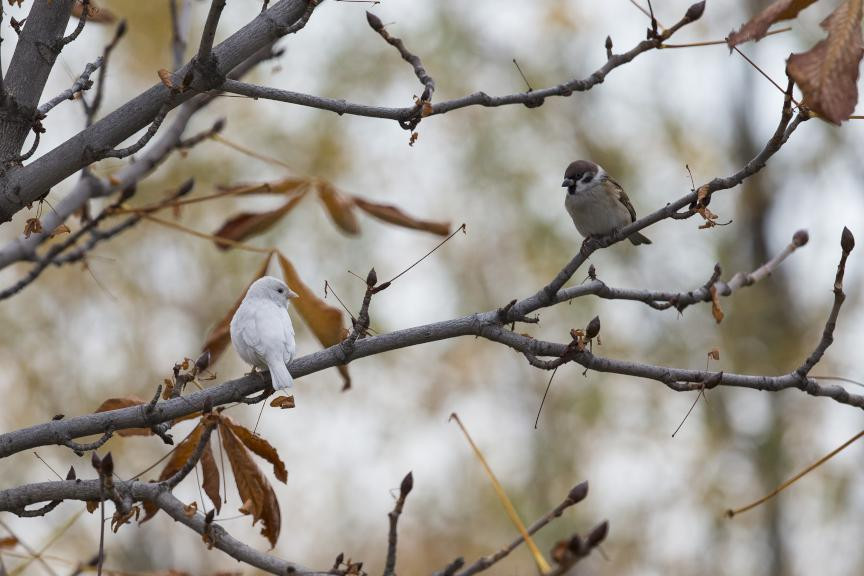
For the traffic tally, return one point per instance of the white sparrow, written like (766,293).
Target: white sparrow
(261,329)
(596,203)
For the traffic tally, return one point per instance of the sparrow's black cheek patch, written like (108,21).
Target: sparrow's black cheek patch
(571,190)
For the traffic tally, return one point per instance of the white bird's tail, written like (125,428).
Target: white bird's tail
(280,376)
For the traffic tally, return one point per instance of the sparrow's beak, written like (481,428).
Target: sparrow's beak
(567,183)
(291,294)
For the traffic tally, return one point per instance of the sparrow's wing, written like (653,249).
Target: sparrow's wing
(622,197)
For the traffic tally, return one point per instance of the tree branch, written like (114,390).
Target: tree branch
(205,48)
(80,85)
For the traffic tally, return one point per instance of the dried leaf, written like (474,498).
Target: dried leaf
(125,402)
(716,310)
(714,354)
(211,477)
(92,505)
(284,186)
(259,446)
(340,208)
(32,226)
(61,229)
(8,542)
(283,402)
(248,224)
(178,458)
(828,73)
(255,491)
(221,334)
(757,27)
(167,78)
(95,13)
(324,320)
(190,509)
(119,519)
(393,215)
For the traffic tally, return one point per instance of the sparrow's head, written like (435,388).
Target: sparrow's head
(581,175)
(270,288)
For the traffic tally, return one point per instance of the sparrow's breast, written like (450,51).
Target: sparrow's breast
(596,211)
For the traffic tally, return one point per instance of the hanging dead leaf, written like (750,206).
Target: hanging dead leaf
(340,208)
(259,446)
(283,402)
(757,27)
(95,13)
(394,215)
(828,73)
(221,334)
(125,402)
(211,477)
(254,489)
(8,542)
(190,509)
(248,224)
(284,186)
(179,457)
(32,226)
(716,310)
(119,518)
(61,229)
(324,320)
(92,505)
(714,354)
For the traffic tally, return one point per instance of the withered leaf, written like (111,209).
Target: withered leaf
(714,354)
(248,224)
(167,78)
(95,13)
(8,542)
(92,505)
(828,73)
(716,310)
(394,215)
(284,186)
(61,229)
(340,208)
(211,477)
(283,402)
(221,334)
(757,27)
(119,519)
(190,509)
(255,491)
(324,320)
(125,402)
(32,226)
(178,458)
(259,446)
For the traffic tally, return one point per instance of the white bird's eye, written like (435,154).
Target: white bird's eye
(280,290)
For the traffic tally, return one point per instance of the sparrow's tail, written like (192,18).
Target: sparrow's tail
(280,376)
(636,238)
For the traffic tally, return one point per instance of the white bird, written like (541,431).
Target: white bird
(261,329)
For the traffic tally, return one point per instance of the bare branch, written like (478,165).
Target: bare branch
(205,48)
(85,13)
(141,142)
(92,108)
(179,29)
(80,85)
(404,489)
(426,80)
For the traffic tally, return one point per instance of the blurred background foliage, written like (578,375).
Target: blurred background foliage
(149,298)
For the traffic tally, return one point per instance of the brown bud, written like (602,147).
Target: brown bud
(407,485)
(71,474)
(203,361)
(598,534)
(186,187)
(121,29)
(578,492)
(576,545)
(374,21)
(95,461)
(800,238)
(593,328)
(219,125)
(847,240)
(695,11)
(107,468)
(608,43)
(371,278)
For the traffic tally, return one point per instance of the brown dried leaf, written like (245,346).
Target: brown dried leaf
(324,320)
(284,186)
(125,402)
(393,215)
(119,519)
(248,224)
(828,73)
(716,310)
(92,505)
(178,458)
(61,229)
(95,13)
(283,402)
(221,334)
(757,27)
(340,208)
(714,354)
(190,509)
(167,78)
(32,226)
(8,542)
(259,446)
(255,491)
(211,477)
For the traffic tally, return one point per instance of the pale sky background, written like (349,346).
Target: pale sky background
(69,343)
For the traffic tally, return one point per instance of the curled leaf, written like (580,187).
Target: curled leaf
(95,13)
(283,402)
(757,27)
(716,310)
(393,215)
(259,446)
(248,224)
(178,458)
(210,483)
(340,208)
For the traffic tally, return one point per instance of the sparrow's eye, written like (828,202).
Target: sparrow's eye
(588,178)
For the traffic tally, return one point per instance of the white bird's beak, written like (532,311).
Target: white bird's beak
(291,294)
